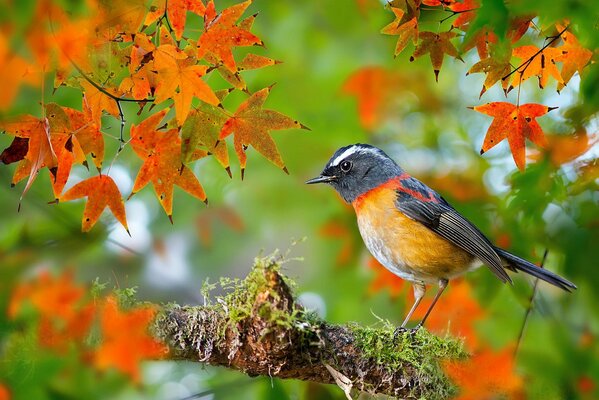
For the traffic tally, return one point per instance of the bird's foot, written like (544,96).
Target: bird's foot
(401,329)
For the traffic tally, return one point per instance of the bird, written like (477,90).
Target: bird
(412,230)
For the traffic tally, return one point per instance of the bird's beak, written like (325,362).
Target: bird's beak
(321,179)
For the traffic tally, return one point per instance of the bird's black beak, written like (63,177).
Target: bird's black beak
(321,179)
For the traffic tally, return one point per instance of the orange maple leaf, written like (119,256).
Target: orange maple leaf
(516,123)
(98,101)
(573,56)
(19,71)
(125,339)
(466,11)
(562,149)
(221,34)
(175,70)
(250,125)
(436,45)
(457,313)
(65,317)
(87,132)
(176,11)
(374,88)
(39,151)
(338,231)
(4,392)
(537,62)
(161,152)
(486,374)
(384,279)
(101,192)
(406,30)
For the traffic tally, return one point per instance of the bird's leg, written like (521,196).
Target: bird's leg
(419,290)
(442,285)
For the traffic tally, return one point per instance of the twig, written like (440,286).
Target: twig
(527,63)
(529,307)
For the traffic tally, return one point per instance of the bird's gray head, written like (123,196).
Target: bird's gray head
(356,169)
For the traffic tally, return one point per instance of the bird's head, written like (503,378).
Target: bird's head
(356,169)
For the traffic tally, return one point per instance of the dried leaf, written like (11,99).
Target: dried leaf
(406,30)
(436,45)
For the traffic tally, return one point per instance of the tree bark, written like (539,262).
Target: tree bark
(259,329)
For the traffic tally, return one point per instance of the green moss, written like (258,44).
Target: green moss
(421,350)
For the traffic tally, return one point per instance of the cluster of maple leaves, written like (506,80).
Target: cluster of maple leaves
(127,52)
(68,318)
(515,122)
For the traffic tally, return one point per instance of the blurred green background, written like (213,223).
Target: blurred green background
(427,129)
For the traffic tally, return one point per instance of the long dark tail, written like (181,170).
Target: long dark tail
(520,264)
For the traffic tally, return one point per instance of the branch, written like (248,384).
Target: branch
(259,329)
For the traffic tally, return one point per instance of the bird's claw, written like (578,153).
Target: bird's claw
(400,329)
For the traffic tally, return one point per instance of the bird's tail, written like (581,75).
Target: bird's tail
(520,264)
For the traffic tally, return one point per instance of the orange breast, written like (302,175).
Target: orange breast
(406,247)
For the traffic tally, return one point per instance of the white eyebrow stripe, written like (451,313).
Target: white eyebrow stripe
(344,155)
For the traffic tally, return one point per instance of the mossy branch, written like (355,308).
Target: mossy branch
(259,329)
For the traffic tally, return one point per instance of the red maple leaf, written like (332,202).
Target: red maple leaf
(516,123)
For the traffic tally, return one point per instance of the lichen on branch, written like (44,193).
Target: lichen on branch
(258,328)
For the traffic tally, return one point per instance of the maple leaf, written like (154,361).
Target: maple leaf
(87,132)
(573,56)
(202,128)
(496,66)
(161,151)
(516,123)
(99,101)
(176,11)
(250,125)
(39,147)
(51,296)
(457,314)
(476,385)
(384,279)
(562,149)
(125,339)
(374,88)
(537,62)
(221,34)
(176,70)
(466,11)
(338,231)
(405,30)
(101,192)
(436,45)
(19,71)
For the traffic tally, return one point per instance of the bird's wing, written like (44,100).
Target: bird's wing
(444,220)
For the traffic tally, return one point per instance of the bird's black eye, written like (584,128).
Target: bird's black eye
(345,166)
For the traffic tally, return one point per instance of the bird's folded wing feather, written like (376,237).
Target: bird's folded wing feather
(445,221)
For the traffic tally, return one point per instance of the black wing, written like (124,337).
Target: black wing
(445,221)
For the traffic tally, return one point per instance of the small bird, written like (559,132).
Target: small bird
(413,231)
